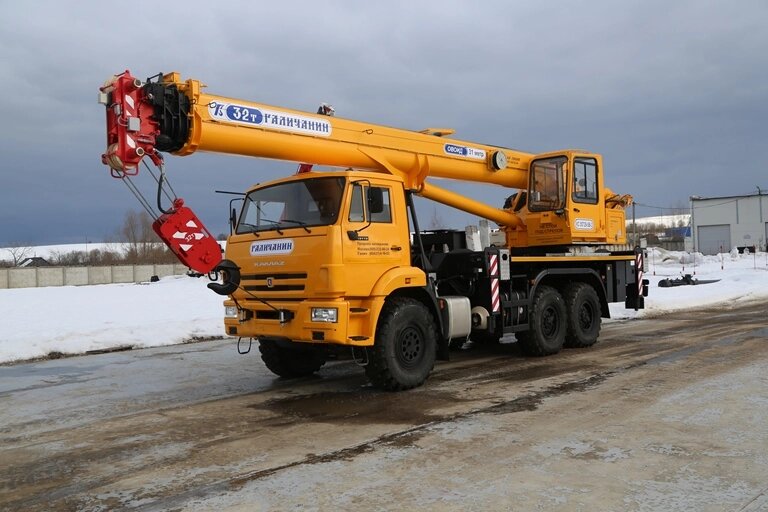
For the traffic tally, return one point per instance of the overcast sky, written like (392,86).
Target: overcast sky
(673,94)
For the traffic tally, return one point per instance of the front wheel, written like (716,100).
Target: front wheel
(404,351)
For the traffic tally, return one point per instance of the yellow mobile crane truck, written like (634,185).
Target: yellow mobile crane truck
(322,260)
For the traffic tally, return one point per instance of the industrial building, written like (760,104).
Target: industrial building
(722,223)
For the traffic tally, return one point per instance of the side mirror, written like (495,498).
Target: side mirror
(232,220)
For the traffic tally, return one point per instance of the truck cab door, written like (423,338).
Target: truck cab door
(547,220)
(584,199)
(374,232)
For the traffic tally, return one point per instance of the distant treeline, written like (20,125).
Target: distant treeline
(135,243)
(118,254)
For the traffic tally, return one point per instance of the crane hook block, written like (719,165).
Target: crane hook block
(188,238)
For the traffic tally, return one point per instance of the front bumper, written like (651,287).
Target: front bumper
(355,325)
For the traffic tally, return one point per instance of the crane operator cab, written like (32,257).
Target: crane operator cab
(567,203)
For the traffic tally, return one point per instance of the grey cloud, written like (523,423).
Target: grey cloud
(674,95)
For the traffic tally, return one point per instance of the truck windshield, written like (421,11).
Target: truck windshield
(305,203)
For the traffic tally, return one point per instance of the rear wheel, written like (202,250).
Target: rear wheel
(286,360)
(547,324)
(583,308)
(404,351)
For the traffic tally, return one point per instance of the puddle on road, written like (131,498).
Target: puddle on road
(532,401)
(364,407)
(531,373)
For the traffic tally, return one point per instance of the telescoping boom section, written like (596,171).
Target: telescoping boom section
(326,260)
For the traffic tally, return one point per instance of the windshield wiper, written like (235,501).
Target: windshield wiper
(252,229)
(275,225)
(299,222)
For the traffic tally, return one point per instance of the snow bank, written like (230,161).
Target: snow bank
(72,320)
(76,319)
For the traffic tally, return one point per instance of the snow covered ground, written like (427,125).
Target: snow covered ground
(47,251)
(73,320)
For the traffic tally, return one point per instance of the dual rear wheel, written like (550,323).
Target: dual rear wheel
(571,319)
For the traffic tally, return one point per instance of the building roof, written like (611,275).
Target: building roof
(34,261)
(697,198)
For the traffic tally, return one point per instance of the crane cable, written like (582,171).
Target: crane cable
(162,190)
(160,180)
(125,178)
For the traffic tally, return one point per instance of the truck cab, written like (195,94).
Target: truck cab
(327,249)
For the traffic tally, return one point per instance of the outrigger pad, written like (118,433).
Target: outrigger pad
(189,239)
(686,279)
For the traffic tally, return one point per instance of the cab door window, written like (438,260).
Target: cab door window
(547,190)
(370,204)
(584,181)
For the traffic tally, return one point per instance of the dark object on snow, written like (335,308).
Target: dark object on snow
(154,279)
(682,281)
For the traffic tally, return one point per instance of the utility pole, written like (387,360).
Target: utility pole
(634,226)
(693,221)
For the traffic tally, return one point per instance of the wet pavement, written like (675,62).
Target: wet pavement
(662,414)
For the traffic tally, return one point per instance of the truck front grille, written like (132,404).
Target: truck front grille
(269,283)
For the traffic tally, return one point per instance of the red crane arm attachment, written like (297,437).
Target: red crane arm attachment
(133,127)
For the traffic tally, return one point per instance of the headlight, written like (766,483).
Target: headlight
(328,315)
(230,311)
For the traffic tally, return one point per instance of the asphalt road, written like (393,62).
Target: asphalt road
(664,414)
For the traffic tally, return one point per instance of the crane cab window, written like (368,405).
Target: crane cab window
(547,191)
(584,181)
(375,208)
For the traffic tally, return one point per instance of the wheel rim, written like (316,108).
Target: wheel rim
(550,322)
(586,316)
(410,346)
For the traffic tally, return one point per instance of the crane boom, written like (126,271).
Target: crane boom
(176,116)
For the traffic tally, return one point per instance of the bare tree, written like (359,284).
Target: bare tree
(435,222)
(140,243)
(19,251)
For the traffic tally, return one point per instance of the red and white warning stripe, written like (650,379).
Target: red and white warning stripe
(494,272)
(639,272)
(129,110)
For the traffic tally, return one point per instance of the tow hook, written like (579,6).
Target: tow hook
(230,276)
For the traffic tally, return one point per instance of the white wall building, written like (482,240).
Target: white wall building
(722,223)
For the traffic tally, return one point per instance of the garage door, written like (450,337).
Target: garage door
(713,239)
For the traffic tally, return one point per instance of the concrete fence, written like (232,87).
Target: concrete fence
(81,276)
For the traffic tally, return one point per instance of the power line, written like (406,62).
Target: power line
(688,208)
(662,207)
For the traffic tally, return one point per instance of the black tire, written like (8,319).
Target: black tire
(583,306)
(404,351)
(288,361)
(547,324)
